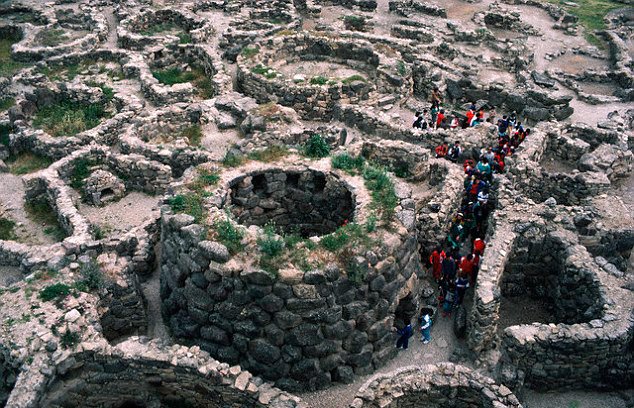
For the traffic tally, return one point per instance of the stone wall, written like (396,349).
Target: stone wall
(309,202)
(140,374)
(434,386)
(9,369)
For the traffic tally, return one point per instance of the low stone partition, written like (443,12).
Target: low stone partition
(434,386)
(365,5)
(303,324)
(407,8)
(132,35)
(141,374)
(259,73)
(90,28)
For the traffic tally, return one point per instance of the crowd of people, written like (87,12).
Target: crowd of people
(455,264)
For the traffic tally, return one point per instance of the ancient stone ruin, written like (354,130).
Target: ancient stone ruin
(309,203)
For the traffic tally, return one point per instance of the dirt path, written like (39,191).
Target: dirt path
(12,200)
(111,41)
(441,347)
(151,292)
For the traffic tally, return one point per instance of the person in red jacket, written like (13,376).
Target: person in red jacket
(441,151)
(435,259)
(467,266)
(478,246)
(440,118)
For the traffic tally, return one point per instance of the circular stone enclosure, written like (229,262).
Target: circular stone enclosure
(307,202)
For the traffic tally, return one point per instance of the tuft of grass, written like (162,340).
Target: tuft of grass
(160,28)
(69,339)
(6,103)
(8,66)
(229,235)
(194,134)
(319,80)
(204,179)
(270,154)
(401,68)
(384,198)
(352,22)
(25,163)
(342,237)
(197,76)
(268,73)
(249,52)
(56,291)
(353,78)
(344,161)
(269,243)
(68,118)
(232,159)
(41,212)
(91,277)
(81,171)
(190,203)
(184,38)
(51,38)
(316,147)
(7,227)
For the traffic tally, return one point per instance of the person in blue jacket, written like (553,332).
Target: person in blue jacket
(405,333)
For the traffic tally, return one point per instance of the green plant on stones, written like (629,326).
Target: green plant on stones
(401,68)
(353,78)
(229,235)
(8,66)
(40,211)
(56,291)
(316,147)
(370,223)
(270,154)
(318,80)
(205,178)
(384,199)
(402,170)
(232,159)
(342,237)
(155,29)
(69,339)
(190,203)
(81,170)
(68,118)
(249,52)
(269,243)
(354,22)
(5,131)
(344,161)
(6,103)
(268,73)
(7,232)
(194,134)
(196,75)
(91,277)
(25,163)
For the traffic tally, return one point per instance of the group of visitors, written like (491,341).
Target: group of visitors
(455,266)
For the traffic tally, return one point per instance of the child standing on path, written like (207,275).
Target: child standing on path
(425,329)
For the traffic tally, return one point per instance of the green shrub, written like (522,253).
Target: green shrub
(6,103)
(267,72)
(370,223)
(68,118)
(346,162)
(7,227)
(204,179)
(384,197)
(319,80)
(8,66)
(342,237)
(197,76)
(91,277)
(194,134)
(316,147)
(40,211)
(249,52)
(69,339)
(184,38)
(401,68)
(354,22)
(172,76)
(402,170)
(81,171)
(229,235)
(25,163)
(190,203)
(353,78)
(56,291)
(155,29)
(269,244)
(270,154)
(232,160)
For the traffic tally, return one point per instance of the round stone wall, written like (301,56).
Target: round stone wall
(300,327)
(306,202)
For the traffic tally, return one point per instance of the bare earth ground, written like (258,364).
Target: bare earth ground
(131,211)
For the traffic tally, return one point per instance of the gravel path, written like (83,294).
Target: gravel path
(12,200)
(441,347)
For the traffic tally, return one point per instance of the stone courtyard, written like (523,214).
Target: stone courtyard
(225,203)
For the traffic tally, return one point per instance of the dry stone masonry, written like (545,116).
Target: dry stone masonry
(220,203)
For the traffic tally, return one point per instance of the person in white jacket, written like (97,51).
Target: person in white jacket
(425,329)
